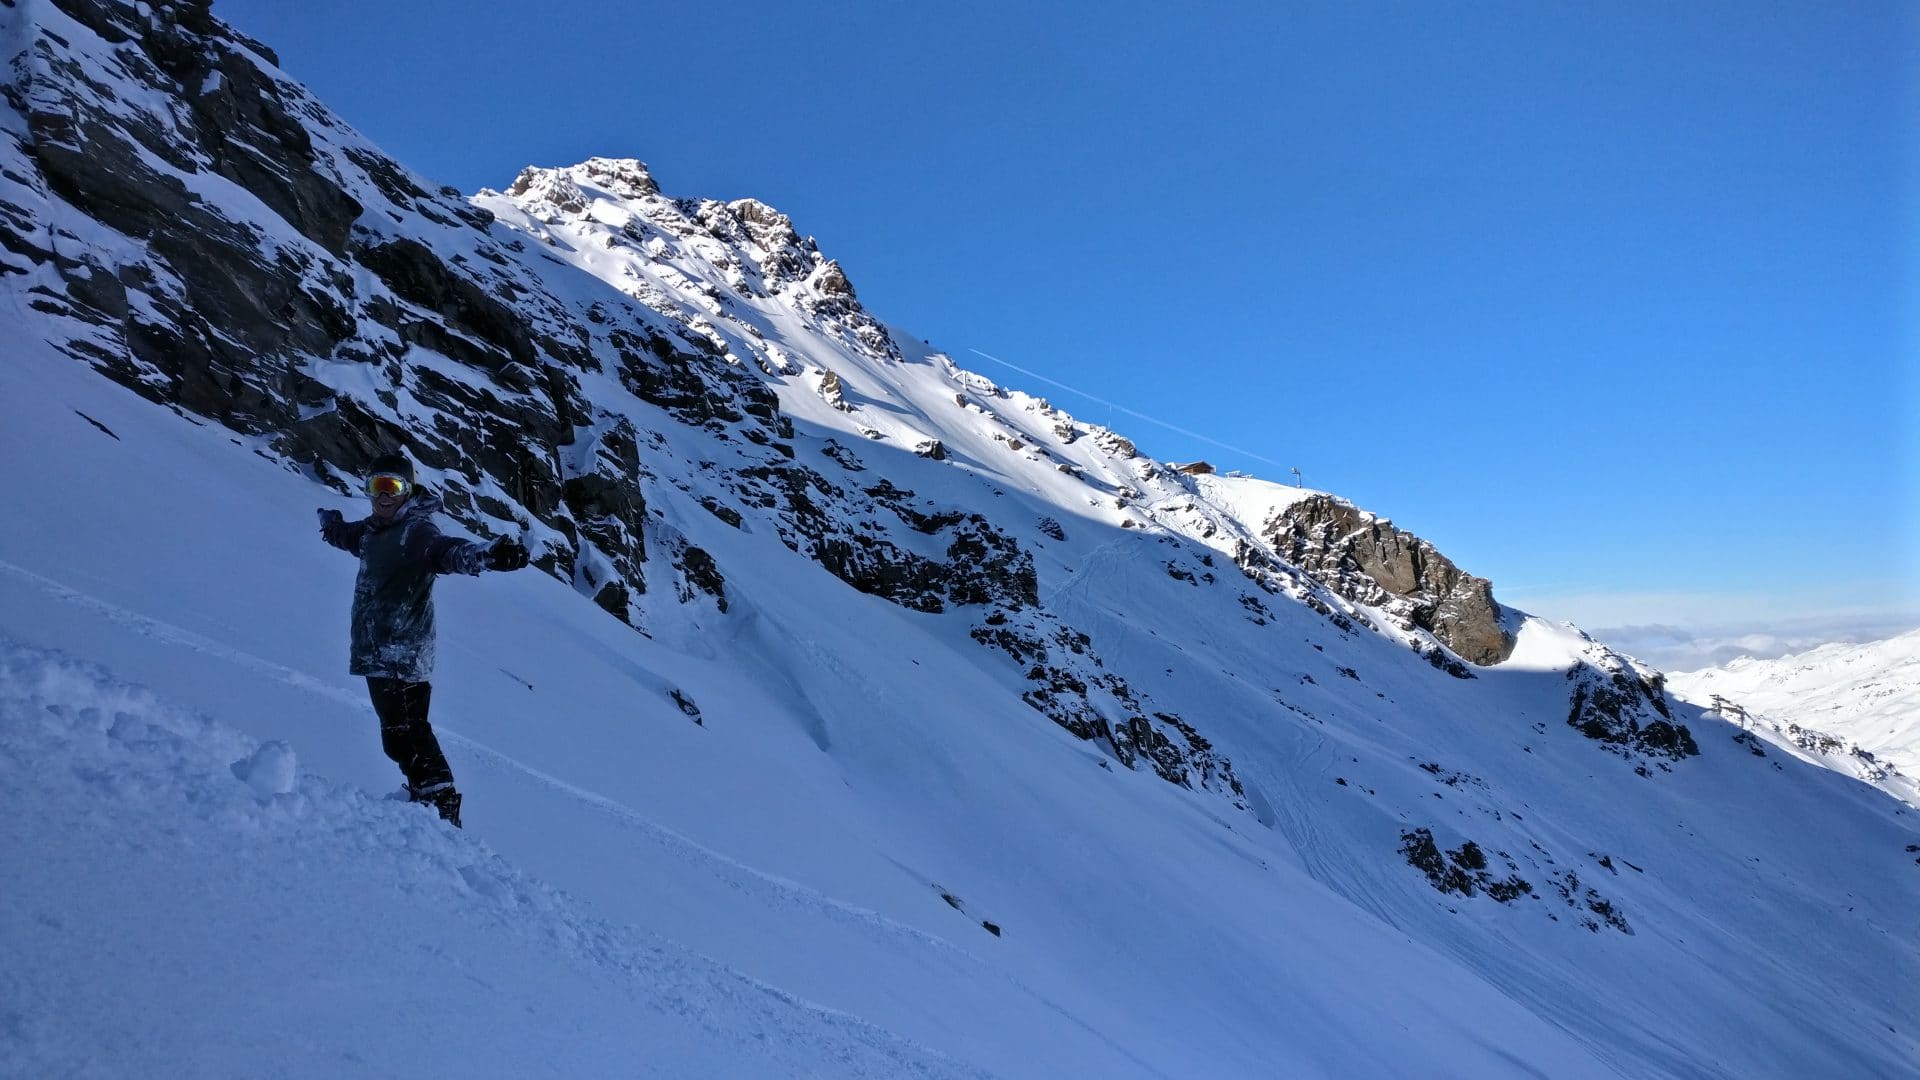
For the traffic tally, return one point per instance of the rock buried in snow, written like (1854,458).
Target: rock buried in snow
(268,770)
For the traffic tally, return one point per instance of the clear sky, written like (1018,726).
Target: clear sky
(1613,302)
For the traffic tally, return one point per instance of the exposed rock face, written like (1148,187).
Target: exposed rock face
(944,557)
(1367,560)
(229,249)
(1072,686)
(1625,708)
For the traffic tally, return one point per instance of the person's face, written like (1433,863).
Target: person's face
(388,493)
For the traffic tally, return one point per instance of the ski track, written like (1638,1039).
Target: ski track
(695,852)
(1076,582)
(771,889)
(150,749)
(167,633)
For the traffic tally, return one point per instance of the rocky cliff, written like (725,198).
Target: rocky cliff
(204,232)
(1367,560)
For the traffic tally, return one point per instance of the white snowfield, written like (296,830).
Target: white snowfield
(630,881)
(870,856)
(180,903)
(1866,695)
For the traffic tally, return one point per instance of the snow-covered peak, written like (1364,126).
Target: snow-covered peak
(741,274)
(553,187)
(620,178)
(626,178)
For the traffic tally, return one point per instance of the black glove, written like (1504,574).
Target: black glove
(506,554)
(333,528)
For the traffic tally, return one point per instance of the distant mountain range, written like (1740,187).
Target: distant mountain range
(1865,697)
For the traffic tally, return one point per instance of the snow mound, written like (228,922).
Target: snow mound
(323,931)
(269,770)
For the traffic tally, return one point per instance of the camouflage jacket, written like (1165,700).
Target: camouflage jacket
(393,634)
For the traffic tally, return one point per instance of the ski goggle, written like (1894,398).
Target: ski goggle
(387,484)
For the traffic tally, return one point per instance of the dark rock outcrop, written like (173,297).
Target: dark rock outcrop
(1071,685)
(1367,560)
(1626,710)
(1462,870)
(963,559)
(268,270)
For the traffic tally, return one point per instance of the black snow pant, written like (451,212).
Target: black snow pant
(407,737)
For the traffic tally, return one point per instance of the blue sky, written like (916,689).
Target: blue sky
(1612,302)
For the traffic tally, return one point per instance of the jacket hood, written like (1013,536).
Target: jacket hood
(421,503)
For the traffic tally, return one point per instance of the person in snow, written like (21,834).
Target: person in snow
(401,551)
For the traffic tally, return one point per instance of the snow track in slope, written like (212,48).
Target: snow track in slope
(395,915)
(787,893)
(759,889)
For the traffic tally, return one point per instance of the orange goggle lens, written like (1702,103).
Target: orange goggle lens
(386,485)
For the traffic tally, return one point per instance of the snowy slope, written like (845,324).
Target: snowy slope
(803,835)
(297,912)
(1865,696)
(978,740)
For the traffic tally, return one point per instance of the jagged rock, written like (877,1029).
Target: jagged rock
(833,392)
(979,565)
(1625,708)
(769,226)
(687,706)
(551,186)
(842,456)
(1368,561)
(1066,679)
(223,304)
(699,574)
(415,273)
(627,178)
(1592,909)
(1462,870)
(226,315)
(832,281)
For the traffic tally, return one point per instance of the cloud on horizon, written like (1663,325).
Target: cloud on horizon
(1670,647)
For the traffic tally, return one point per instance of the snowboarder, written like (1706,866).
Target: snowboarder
(401,551)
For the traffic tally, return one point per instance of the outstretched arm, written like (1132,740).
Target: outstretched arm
(341,533)
(443,554)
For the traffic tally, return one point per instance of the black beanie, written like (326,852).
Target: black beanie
(395,464)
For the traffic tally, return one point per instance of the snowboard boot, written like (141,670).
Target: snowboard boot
(443,799)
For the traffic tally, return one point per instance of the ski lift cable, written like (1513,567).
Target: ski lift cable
(1130,412)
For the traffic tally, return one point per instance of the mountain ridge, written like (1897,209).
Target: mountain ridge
(846,575)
